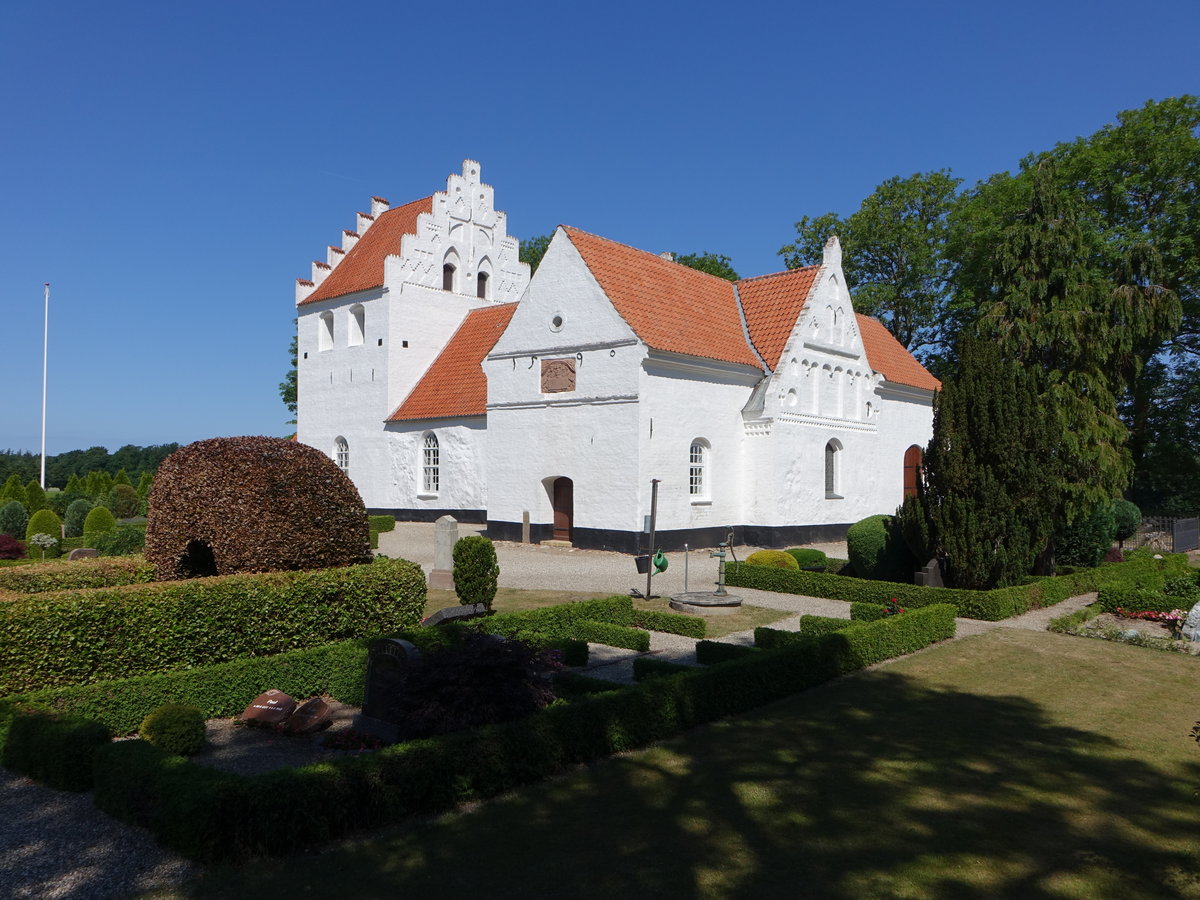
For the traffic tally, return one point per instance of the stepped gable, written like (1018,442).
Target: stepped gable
(772,304)
(455,384)
(888,357)
(668,305)
(362,267)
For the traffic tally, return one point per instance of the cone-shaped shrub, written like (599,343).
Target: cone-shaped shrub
(35,497)
(75,516)
(14,489)
(475,570)
(123,501)
(13,519)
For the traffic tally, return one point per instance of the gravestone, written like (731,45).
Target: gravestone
(83,553)
(445,536)
(311,715)
(1191,626)
(388,662)
(269,708)
(929,575)
(455,613)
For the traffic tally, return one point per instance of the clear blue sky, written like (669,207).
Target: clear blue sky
(172,168)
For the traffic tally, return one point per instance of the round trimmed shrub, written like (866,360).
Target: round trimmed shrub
(1127,517)
(1085,541)
(252,504)
(13,519)
(175,729)
(75,516)
(44,521)
(475,570)
(878,551)
(778,559)
(806,556)
(97,522)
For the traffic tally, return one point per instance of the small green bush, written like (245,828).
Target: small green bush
(174,728)
(879,552)
(1084,542)
(475,571)
(124,540)
(382,523)
(44,521)
(98,521)
(56,750)
(13,519)
(1127,518)
(75,516)
(807,557)
(778,559)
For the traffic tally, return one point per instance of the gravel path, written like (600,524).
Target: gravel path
(55,844)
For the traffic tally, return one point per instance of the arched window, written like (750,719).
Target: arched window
(448,277)
(356,325)
(698,469)
(914,458)
(832,451)
(325,331)
(341,454)
(430,464)
(481,285)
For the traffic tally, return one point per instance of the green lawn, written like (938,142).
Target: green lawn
(512,600)
(1010,764)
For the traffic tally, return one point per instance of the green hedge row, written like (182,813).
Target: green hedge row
(575,684)
(79,574)
(54,750)
(987,605)
(818,625)
(62,638)
(646,667)
(774,639)
(709,653)
(577,620)
(380,524)
(210,815)
(867,612)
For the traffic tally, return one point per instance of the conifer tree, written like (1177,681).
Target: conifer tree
(14,489)
(144,484)
(980,505)
(74,485)
(121,478)
(35,497)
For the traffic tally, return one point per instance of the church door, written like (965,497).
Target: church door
(564,508)
(913,458)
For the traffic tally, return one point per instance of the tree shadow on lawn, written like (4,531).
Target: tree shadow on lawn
(869,787)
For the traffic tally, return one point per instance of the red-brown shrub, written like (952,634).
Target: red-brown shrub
(11,548)
(252,504)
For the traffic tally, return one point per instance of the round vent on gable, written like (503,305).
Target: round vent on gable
(556,323)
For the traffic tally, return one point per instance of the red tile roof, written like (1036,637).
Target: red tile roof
(455,384)
(772,304)
(668,305)
(362,267)
(888,357)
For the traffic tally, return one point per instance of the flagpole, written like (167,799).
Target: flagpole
(45,351)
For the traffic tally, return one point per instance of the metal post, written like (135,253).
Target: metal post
(685,568)
(653,521)
(45,349)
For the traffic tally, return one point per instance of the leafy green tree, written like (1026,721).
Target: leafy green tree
(893,255)
(532,250)
(1167,478)
(980,506)
(1079,332)
(712,263)
(287,387)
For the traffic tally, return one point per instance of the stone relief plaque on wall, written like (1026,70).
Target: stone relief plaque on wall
(558,375)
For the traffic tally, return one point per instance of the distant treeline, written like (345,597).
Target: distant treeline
(59,468)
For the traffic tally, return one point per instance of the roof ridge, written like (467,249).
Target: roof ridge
(649,253)
(781,272)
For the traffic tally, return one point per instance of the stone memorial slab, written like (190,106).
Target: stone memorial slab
(445,536)
(929,575)
(269,708)
(558,375)
(311,715)
(1191,625)
(83,553)
(388,663)
(455,613)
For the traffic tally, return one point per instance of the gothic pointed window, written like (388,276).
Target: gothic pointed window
(448,277)
(481,286)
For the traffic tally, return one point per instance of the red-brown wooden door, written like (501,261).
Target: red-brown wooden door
(913,458)
(564,508)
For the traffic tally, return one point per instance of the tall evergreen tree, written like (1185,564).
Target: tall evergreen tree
(14,489)
(35,497)
(980,505)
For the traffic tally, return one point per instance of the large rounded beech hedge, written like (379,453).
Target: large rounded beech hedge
(252,504)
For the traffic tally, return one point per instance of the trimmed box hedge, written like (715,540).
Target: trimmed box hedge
(210,815)
(55,750)
(78,637)
(79,574)
(646,667)
(710,653)
(818,625)
(867,612)
(991,606)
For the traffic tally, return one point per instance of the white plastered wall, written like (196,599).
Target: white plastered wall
(590,434)
(461,477)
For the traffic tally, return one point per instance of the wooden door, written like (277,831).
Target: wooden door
(564,508)
(913,458)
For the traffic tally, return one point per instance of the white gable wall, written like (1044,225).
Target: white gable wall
(462,482)
(588,435)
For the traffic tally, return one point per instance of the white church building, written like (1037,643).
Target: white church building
(443,379)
